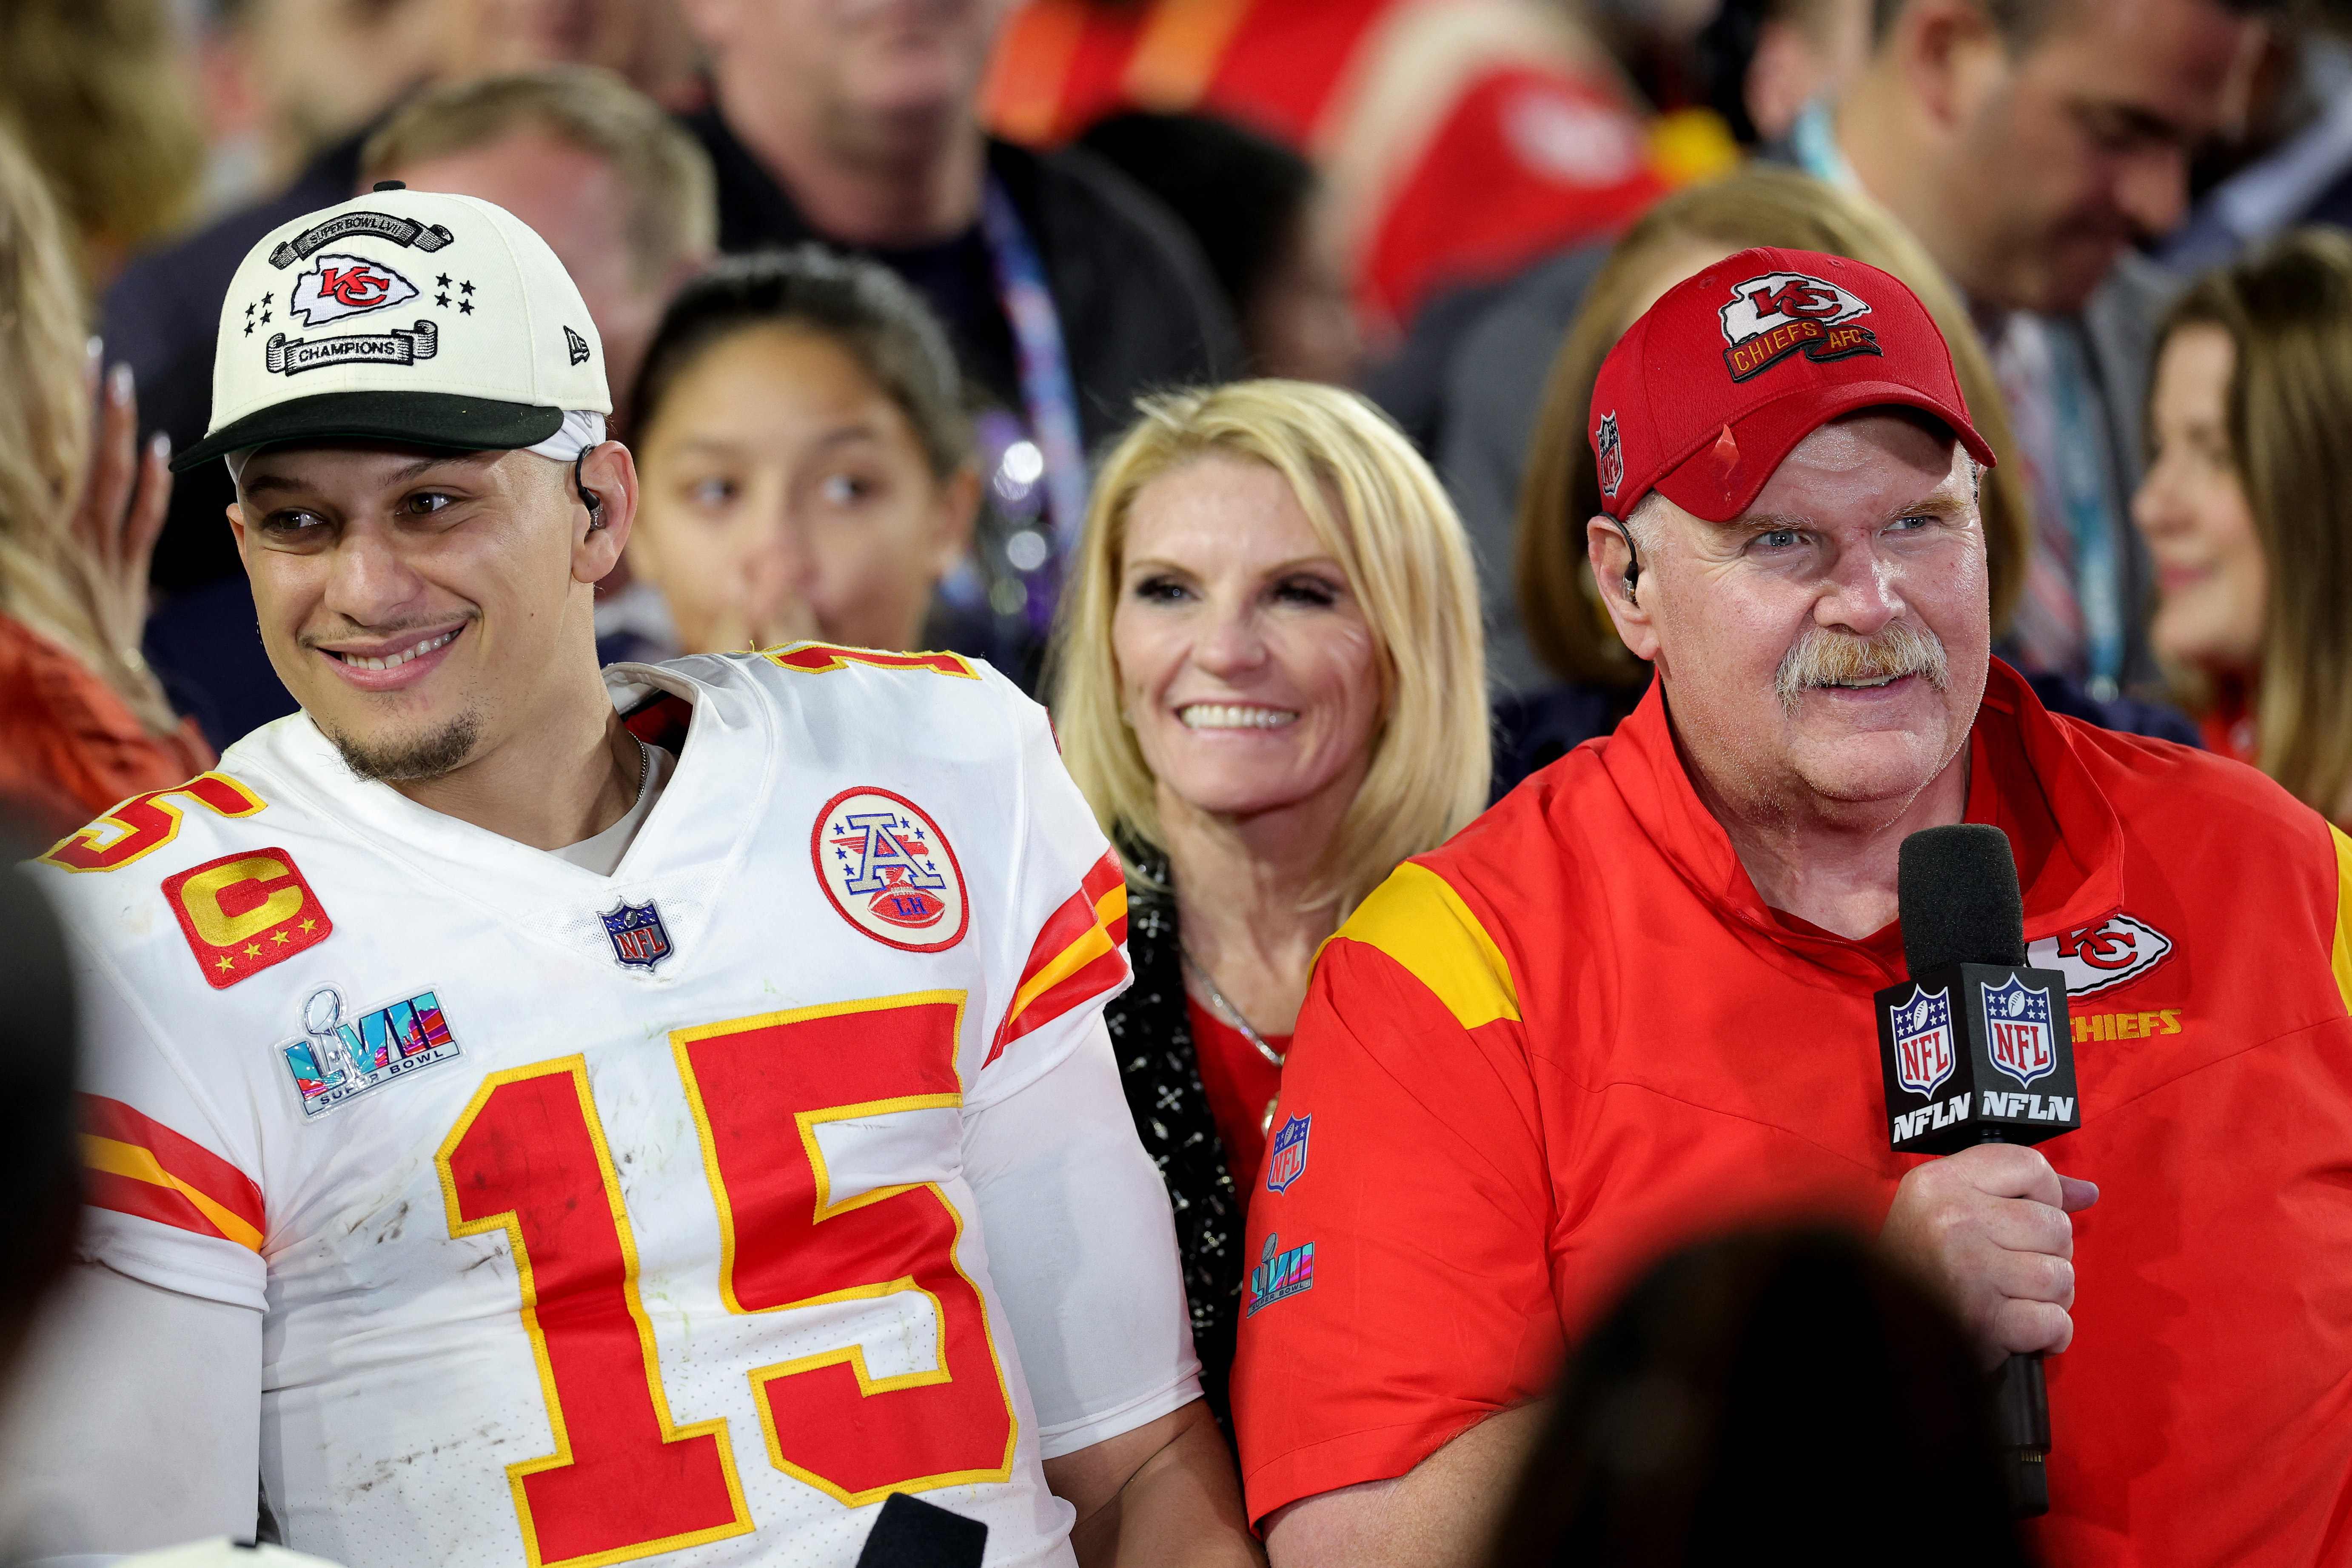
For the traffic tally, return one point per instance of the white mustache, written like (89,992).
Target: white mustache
(1826,658)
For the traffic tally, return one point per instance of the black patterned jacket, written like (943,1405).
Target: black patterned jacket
(1153,1036)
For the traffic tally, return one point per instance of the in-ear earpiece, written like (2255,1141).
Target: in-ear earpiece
(1632,559)
(588,498)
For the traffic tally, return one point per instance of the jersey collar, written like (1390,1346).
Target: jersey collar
(2024,778)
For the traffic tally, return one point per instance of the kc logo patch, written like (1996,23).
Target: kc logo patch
(889,870)
(1923,1041)
(2101,957)
(1610,451)
(2017,1031)
(243,912)
(338,285)
(1780,313)
(336,1061)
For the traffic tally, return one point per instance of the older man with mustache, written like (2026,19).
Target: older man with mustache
(1633,1001)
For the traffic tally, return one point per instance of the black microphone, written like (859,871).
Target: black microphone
(912,1533)
(1977,1049)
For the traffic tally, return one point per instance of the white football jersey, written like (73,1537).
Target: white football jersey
(601,1218)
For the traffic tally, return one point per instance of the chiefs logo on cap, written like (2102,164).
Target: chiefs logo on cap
(1777,314)
(338,286)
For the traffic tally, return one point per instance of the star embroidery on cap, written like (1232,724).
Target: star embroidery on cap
(441,282)
(265,317)
(248,329)
(465,307)
(442,301)
(265,299)
(249,309)
(466,287)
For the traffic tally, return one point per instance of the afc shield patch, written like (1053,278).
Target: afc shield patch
(1610,450)
(1923,1041)
(338,1060)
(2018,1037)
(1287,1160)
(889,870)
(243,912)
(639,939)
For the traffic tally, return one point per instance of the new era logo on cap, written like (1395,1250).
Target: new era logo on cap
(1703,398)
(406,316)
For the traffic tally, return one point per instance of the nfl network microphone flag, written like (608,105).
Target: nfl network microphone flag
(1977,1053)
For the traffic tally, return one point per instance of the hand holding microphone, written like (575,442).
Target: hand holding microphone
(1990,1226)
(1978,1060)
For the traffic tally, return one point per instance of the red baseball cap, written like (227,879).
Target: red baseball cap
(1704,396)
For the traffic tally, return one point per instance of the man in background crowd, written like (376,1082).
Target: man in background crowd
(1459,138)
(1069,291)
(2027,145)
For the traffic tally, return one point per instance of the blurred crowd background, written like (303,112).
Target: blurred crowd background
(1450,205)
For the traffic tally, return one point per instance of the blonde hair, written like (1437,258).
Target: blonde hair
(1376,507)
(2288,310)
(1565,624)
(94,91)
(673,217)
(49,580)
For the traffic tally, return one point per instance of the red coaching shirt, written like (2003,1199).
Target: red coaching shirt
(1575,1036)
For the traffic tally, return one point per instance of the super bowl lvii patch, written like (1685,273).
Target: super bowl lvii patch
(1280,1274)
(338,1059)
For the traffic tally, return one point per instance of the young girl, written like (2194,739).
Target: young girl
(806,456)
(2247,509)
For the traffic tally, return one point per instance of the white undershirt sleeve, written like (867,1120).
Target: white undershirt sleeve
(135,1421)
(1082,1251)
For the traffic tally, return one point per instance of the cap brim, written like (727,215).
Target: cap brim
(1720,484)
(419,418)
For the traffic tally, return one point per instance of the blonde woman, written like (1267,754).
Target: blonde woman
(1269,683)
(82,724)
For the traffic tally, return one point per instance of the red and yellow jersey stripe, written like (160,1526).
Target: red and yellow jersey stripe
(1076,957)
(134,1164)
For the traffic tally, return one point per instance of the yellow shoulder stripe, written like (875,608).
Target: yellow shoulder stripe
(2340,956)
(1416,918)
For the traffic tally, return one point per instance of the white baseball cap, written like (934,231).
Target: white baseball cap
(404,316)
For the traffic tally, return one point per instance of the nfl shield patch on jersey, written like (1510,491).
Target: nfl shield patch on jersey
(889,870)
(1287,1160)
(243,912)
(640,940)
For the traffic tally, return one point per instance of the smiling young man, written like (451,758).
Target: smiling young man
(526,1135)
(1634,1002)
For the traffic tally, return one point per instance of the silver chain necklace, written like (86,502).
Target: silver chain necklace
(1228,1011)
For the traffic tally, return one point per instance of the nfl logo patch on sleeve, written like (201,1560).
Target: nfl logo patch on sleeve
(889,870)
(243,912)
(1288,1161)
